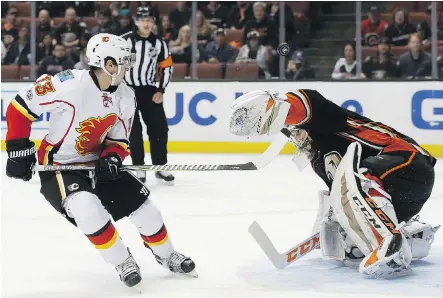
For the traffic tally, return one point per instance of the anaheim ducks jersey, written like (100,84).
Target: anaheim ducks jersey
(333,129)
(85,122)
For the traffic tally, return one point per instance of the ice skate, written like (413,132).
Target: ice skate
(165,176)
(178,263)
(141,175)
(129,272)
(420,237)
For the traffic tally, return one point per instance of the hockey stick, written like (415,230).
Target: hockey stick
(279,260)
(262,161)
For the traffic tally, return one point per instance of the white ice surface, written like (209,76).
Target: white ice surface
(207,216)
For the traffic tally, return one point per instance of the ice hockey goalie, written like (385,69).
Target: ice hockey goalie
(378,179)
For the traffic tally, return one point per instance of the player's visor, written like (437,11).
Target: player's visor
(128,61)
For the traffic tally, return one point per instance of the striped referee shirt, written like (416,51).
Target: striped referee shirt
(152,55)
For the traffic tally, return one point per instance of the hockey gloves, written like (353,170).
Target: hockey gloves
(21,159)
(107,168)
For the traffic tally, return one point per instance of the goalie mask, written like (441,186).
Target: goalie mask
(302,141)
(261,112)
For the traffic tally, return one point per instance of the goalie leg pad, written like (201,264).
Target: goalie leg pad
(367,215)
(349,206)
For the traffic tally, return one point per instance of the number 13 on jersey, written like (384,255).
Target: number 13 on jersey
(43,86)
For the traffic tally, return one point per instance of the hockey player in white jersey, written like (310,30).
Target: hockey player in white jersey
(378,178)
(91,115)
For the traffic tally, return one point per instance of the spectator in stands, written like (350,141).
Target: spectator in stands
(416,63)
(11,49)
(216,14)
(273,11)
(155,29)
(263,25)
(373,28)
(45,25)
(55,8)
(180,16)
(425,29)
(346,68)
(76,51)
(104,24)
(219,50)
(166,30)
(44,48)
(383,64)
(298,68)
(181,49)
(82,8)
(204,29)
(83,63)
(69,33)
(254,52)
(240,14)
(300,38)
(10,26)
(55,63)
(4,9)
(115,8)
(398,32)
(24,48)
(125,23)
(13,10)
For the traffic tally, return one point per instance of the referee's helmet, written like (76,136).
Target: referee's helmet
(144,12)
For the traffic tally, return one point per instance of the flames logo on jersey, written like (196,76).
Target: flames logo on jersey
(92,132)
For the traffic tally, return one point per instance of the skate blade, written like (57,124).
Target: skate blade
(390,274)
(138,289)
(192,274)
(164,182)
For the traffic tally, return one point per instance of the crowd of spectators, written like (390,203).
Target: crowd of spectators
(415,63)
(61,46)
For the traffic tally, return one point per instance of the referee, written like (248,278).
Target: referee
(152,55)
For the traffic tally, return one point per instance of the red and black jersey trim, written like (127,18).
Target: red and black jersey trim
(22,102)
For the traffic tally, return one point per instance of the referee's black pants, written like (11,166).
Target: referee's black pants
(156,123)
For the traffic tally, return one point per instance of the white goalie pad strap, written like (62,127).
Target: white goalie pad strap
(324,206)
(331,241)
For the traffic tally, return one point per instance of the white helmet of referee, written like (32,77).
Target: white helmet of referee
(104,46)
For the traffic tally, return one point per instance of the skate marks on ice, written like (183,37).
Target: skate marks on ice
(323,276)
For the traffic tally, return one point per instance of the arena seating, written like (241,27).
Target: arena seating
(242,71)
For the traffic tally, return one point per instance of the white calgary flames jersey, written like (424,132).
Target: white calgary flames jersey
(84,120)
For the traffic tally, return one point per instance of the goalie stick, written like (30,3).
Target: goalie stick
(279,260)
(262,161)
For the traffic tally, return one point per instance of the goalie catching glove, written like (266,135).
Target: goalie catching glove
(21,159)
